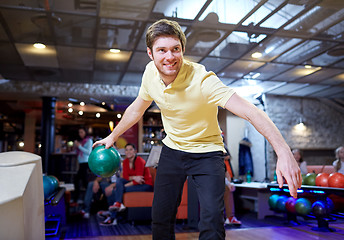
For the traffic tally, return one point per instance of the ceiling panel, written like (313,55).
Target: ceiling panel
(240,68)
(37,57)
(308,90)
(109,77)
(304,52)
(338,79)
(132,79)
(138,62)
(329,92)
(272,48)
(270,70)
(295,73)
(22,27)
(119,34)
(319,76)
(253,45)
(76,58)
(108,61)
(75,30)
(215,64)
(318,18)
(283,16)
(325,59)
(179,8)
(234,46)
(287,88)
(129,9)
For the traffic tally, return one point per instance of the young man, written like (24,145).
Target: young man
(188,97)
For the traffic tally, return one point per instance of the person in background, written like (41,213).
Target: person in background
(228,197)
(135,177)
(299,159)
(83,148)
(96,190)
(339,162)
(189,97)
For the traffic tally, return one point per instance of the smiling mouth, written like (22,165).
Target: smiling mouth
(170,65)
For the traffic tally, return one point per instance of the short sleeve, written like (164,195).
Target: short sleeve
(215,91)
(143,92)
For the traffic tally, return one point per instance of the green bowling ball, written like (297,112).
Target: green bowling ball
(48,186)
(310,179)
(273,200)
(104,162)
(55,181)
(303,206)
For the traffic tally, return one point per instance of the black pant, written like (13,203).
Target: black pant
(81,175)
(207,171)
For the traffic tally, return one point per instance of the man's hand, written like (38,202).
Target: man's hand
(288,168)
(108,142)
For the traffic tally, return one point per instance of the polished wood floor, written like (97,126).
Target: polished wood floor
(262,233)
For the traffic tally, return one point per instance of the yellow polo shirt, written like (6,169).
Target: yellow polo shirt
(189,106)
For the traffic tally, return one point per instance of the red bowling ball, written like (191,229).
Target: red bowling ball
(322,180)
(336,180)
(290,205)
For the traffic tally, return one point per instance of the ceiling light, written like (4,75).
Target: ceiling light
(111,125)
(97,115)
(81,112)
(70,105)
(308,66)
(255,75)
(103,103)
(39,45)
(269,49)
(82,103)
(114,50)
(21,144)
(119,115)
(256,55)
(70,110)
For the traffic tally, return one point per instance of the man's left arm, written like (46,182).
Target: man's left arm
(286,164)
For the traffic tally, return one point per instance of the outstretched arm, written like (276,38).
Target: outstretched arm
(286,164)
(131,116)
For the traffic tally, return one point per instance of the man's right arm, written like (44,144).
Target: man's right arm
(131,116)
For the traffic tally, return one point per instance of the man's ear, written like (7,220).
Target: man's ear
(150,54)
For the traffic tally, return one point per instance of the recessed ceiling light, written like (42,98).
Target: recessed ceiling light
(256,55)
(114,50)
(82,103)
(39,45)
(81,112)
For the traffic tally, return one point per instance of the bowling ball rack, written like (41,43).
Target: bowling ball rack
(55,212)
(314,192)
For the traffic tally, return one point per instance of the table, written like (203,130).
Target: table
(254,195)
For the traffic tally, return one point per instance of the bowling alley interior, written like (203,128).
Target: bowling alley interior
(70,68)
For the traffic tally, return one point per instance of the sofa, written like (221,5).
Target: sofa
(320,168)
(139,204)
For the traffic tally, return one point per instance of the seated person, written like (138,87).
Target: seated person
(299,159)
(135,178)
(339,162)
(228,197)
(98,186)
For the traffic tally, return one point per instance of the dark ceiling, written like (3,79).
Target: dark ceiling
(301,46)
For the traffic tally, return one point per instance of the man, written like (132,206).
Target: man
(188,97)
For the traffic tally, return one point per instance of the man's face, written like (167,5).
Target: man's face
(167,54)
